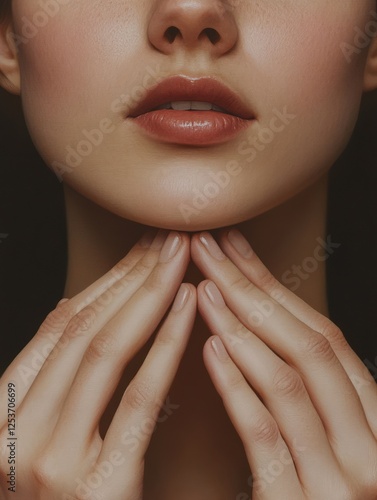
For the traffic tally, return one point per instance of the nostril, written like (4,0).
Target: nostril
(171,34)
(212,35)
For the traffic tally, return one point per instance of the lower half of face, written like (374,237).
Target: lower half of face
(85,65)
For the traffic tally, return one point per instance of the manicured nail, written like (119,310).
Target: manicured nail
(147,239)
(219,348)
(211,246)
(181,298)
(159,240)
(240,244)
(214,295)
(170,247)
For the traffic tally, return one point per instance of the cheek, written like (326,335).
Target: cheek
(73,72)
(299,63)
(70,68)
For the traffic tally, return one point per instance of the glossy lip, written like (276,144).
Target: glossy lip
(192,127)
(179,88)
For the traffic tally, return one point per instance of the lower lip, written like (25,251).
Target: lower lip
(194,128)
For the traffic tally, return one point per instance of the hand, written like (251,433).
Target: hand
(302,402)
(88,341)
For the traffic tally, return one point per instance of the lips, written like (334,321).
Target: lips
(228,116)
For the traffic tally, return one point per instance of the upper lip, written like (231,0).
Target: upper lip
(178,88)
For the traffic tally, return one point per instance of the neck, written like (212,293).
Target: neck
(285,238)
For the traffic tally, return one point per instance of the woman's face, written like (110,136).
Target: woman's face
(86,65)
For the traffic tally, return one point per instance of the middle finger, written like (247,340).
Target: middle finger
(295,342)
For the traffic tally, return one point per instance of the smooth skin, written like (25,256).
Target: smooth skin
(301,401)
(59,442)
(299,397)
(291,385)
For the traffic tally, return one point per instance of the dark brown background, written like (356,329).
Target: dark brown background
(33,255)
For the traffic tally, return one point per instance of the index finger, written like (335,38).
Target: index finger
(25,367)
(238,249)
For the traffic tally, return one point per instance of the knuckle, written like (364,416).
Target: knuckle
(242,332)
(316,346)
(266,280)
(120,269)
(334,335)
(235,381)
(57,319)
(44,470)
(156,281)
(139,395)
(288,383)
(241,283)
(102,347)
(265,432)
(141,269)
(81,322)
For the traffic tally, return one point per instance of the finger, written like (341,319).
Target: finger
(301,347)
(279,386)
(25,367)
(259,432)
(143,402)
(118,342)
(65,360)
(237,248)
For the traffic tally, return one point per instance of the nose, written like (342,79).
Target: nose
(193,24)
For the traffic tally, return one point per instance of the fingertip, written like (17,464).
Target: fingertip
(181,298)
(192,289)
(184,296)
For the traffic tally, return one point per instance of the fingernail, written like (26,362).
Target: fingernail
(211,246)
(240,244)
(62,301)
(147,239)
(159,240)
(181,298)
(219,348)
(170,247)
(214,295)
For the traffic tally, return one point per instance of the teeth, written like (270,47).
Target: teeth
(191,105)
(201,106)
(181,105)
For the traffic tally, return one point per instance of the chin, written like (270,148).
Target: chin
(201,222)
